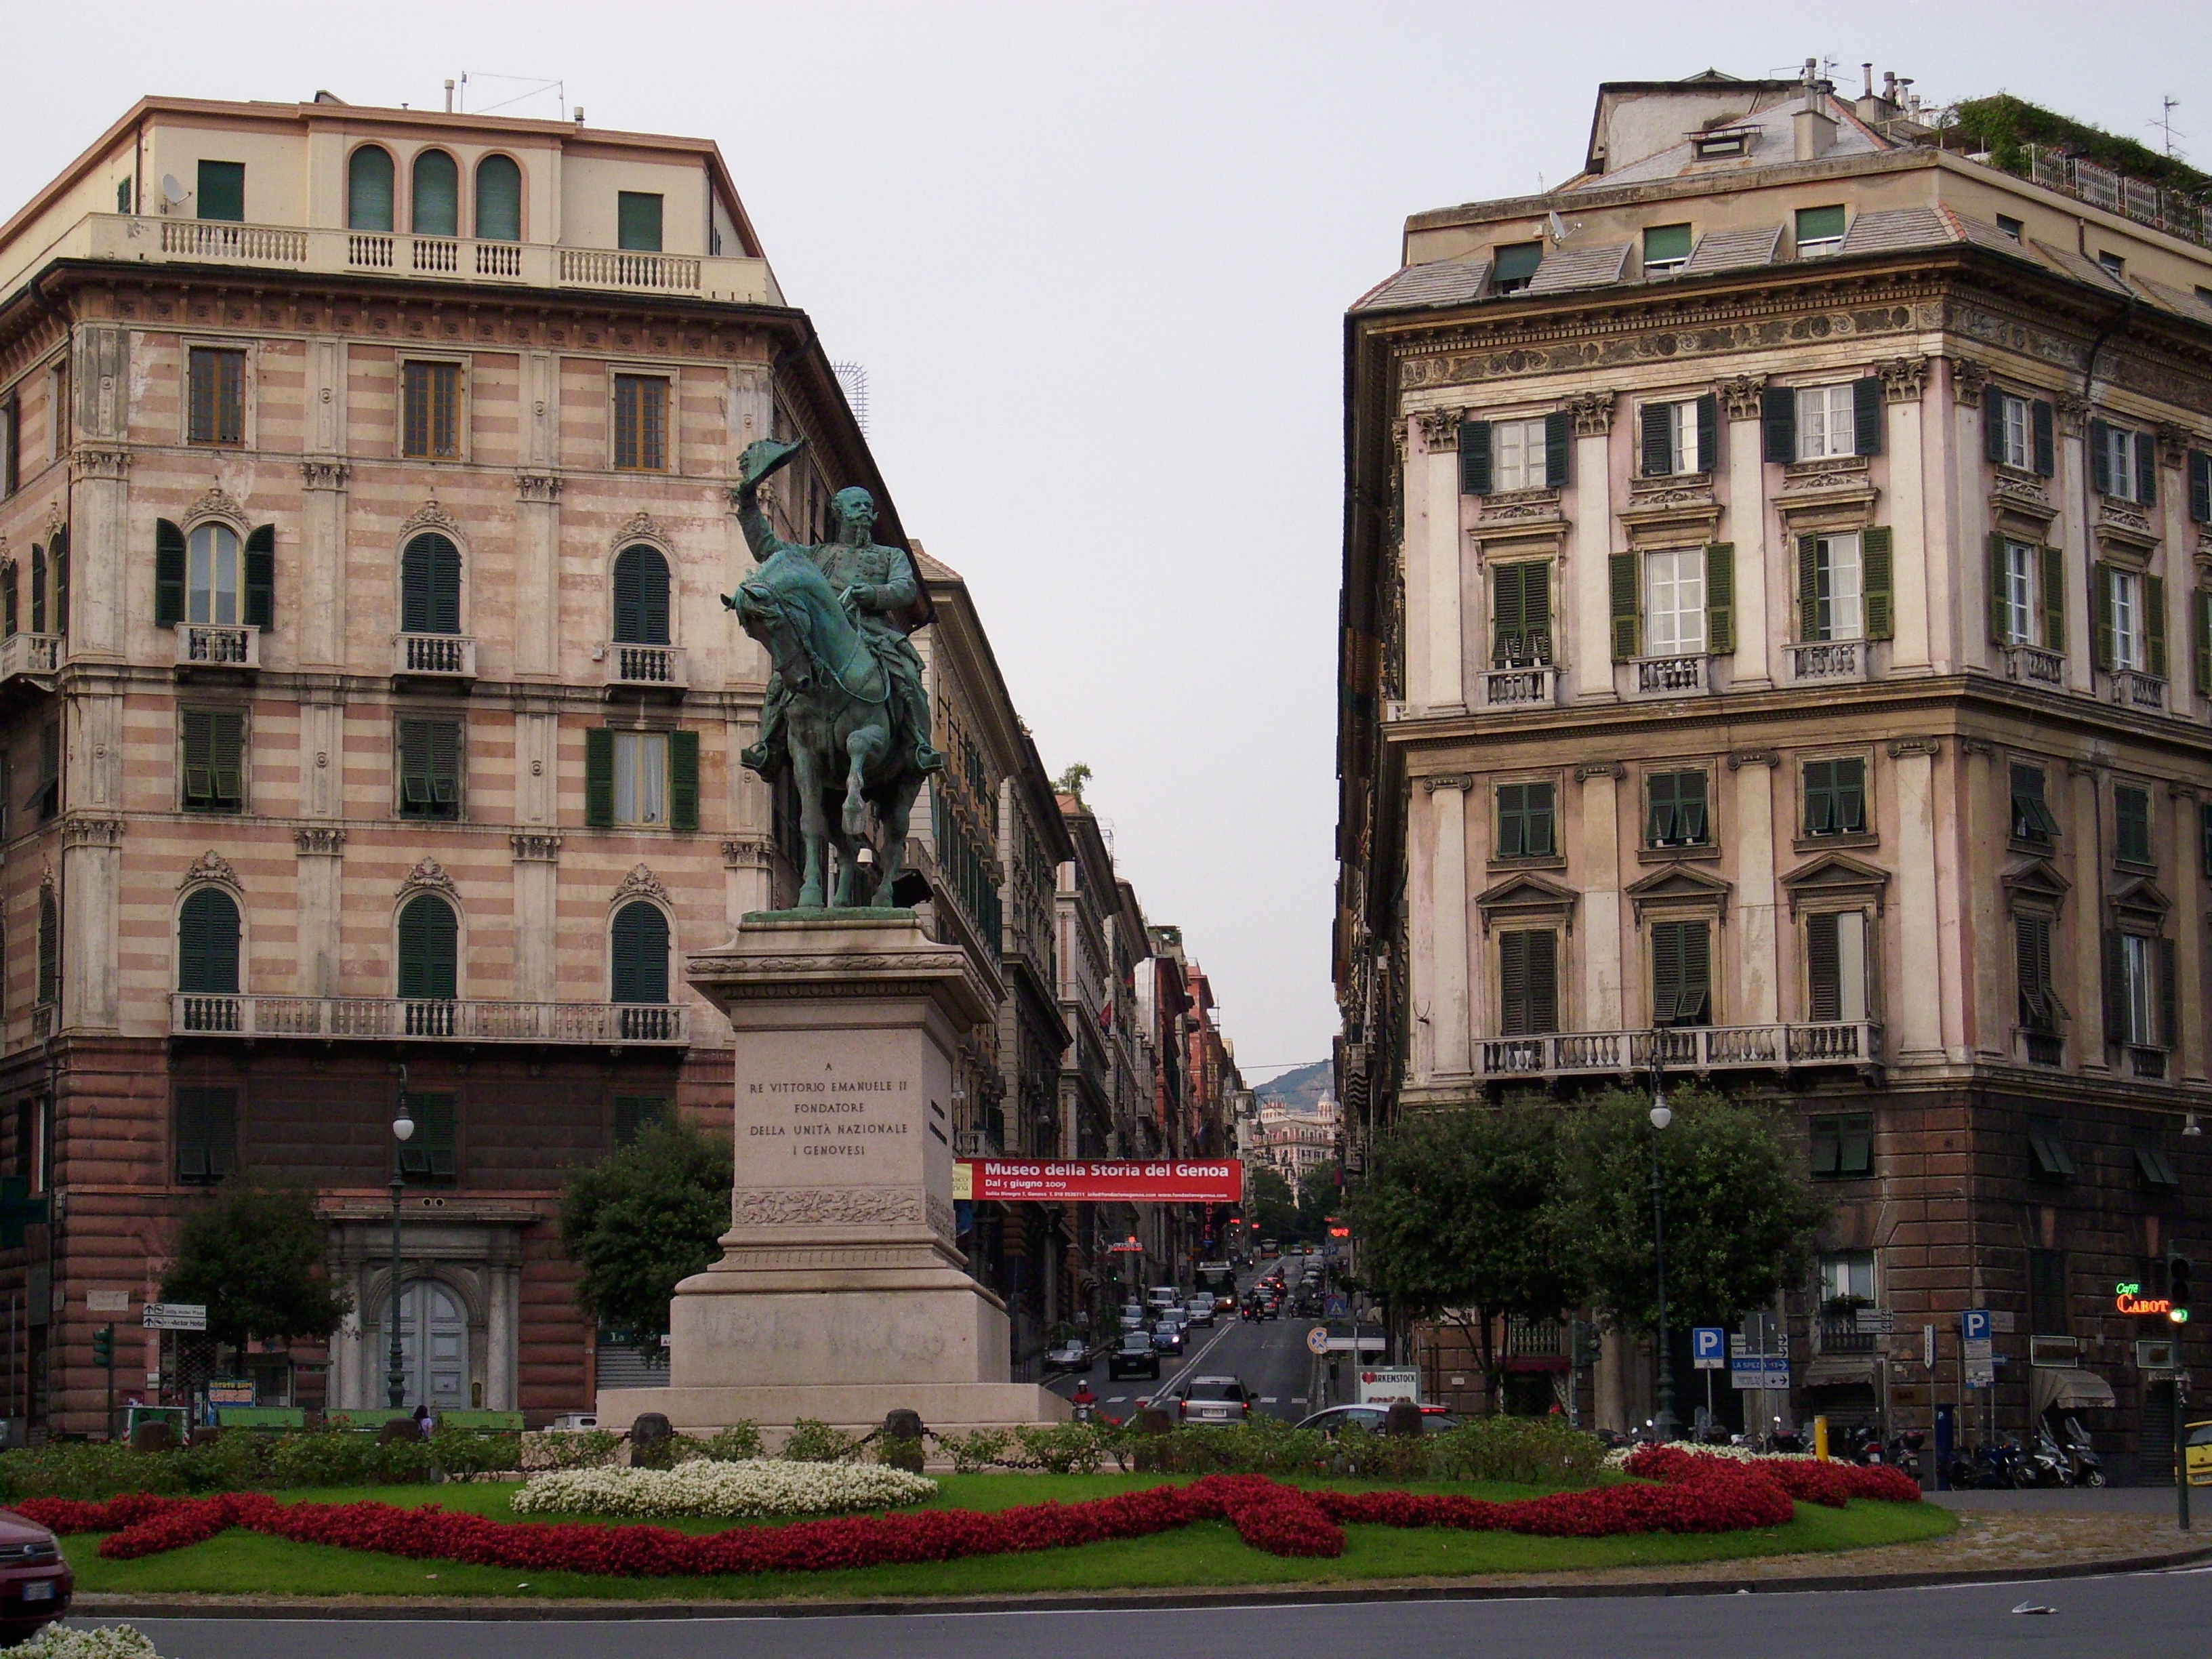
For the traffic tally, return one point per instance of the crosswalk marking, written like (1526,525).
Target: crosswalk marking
(1270,1400)
(1116,1399)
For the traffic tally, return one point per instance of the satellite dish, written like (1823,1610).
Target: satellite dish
(173,192)
(1557,227)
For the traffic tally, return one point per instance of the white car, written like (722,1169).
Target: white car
(1202,1308)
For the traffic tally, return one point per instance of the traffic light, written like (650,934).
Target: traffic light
(103,1346)
(2176,1289)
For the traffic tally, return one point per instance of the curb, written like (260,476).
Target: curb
(117,1606)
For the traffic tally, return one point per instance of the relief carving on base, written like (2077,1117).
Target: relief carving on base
(806,1206)
(941,1221)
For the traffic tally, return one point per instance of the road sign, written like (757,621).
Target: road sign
(1974,1324)
(175,1315)
(1874,1322)
(1928,1347)
(1349,1345)
(1759,1371)
(1708,1348)
(1317,1340)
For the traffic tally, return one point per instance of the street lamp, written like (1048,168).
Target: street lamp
(1661,1115)
(402,1131)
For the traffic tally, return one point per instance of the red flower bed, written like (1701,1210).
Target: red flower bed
(1684,1493)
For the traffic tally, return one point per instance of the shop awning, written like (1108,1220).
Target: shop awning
(2066,1388)
(1831,1370)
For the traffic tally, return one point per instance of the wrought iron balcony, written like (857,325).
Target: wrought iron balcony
(434,656)
(218,645)
(2031,664)
(193,1013)
(646,667)
(30,655)
(1839,1334)
(1828,661)
(1699,1049)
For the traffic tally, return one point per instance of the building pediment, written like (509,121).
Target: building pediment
(1525,897)
(2037,878)
(1680,887)
(1832,879)
(2139,896)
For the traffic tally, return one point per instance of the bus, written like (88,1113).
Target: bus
(1218,1277)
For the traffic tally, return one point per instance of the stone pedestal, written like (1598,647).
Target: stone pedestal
(841,1293)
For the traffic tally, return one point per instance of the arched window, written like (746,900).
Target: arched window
(207,943)
(640,953)
(437,195)
(641,597)
(499,200)
(430,949)
(212,578)
(430,585)
(368,189)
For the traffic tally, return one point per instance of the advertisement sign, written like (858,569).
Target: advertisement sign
(1015,1180)
(1386,1386)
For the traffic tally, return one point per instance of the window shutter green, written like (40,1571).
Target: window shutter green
(2054,600)
(1658,440)
(1536,608)
(1824,968)
(2100,458)
(1543,831)
(2146,470)
(1507,616)
(1558,449)
(1697,973)
(635,1114)
(49,947)
(1709,433)
(37,587)
(1513,983)
(1881,582)
(2200,639)
(2046,446)
(1475,457)
(2000,625)
(432,1153)
(261,577)
(637,221)
(1866,416)
(2107,582)
(10,598)
(222,192)
(199,757)
(2169,1018)
(437,195)
(1690,811)
(168,573)
(684,780)
(1720,597)
(2155,624)
(207,943)
(1666,971)
(599,777)
(1778,422)
(640,949)
(445,766)
(1993,444)
(2116,988)
(2200,486)
(1541,1012)
(226,758)
(499,200)
(1850,797)
(430,585)
(1620,572)
(61,558)
(1819,798)
(429,936)
(1809,590)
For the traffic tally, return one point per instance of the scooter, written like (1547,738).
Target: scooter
(1905,1452)
(2088,1468)
(1863,1445)
(1991,1465)
(1781,1440)
(2045,1464)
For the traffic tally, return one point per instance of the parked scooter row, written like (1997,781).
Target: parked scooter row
(2051,1461)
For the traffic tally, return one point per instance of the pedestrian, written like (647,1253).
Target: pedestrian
(425,1423)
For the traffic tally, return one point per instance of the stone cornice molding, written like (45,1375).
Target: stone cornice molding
(320,474)
(316,841)
(208,867)
(428,876)
(1903,379)
(641,882)
(816,1206)
(534,847)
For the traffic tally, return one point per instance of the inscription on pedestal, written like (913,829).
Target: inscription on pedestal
(828,1116)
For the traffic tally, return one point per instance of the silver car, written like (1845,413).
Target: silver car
(1214,1400)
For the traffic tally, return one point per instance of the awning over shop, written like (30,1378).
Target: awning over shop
(2066,1388)
(1832,1371)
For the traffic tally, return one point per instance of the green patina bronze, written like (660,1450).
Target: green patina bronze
(846,710)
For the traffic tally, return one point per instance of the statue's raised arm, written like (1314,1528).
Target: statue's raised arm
(761,458)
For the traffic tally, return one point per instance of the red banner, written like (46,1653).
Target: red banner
(1015,1180)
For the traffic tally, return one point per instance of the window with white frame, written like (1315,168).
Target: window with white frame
(2122,465)
(1517,455)
(2017,595)
(211,572)
(641,777)
(1675,602)
(1839,596)
(1824,427)
(1847,1274)
(2125,608)
(2139,989)
(2015,432)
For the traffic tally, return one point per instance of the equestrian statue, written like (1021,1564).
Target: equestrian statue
(845,709)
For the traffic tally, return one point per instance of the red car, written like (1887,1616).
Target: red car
(35,1582)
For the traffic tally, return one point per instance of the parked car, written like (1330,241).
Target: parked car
(35,1583)
(1214,1400)
(1074,1355)
(1435,1419)
(2198,1455)
(1133,1355)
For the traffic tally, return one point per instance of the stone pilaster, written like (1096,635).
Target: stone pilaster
(320,873)
(1449,1010)
(1746,525)
(322,581)
(1600,929)
(91,904)
(536,904)
(1758,952)
(1917,1009)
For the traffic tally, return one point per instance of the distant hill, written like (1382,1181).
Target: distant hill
(1300,1090)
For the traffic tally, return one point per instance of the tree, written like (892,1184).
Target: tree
(1275,1205)
(1459,1219)
(1317,1202)
(1071,782)
(649,1214)
(254,1256)
(1740,1212)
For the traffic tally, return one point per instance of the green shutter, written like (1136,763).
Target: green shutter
(2108,580)
(2200,639)
(1819,798)
(1850,797)
(1709,433)
(1543,832)
(1513,983)
(2169,1018)
(1696,972)
(1824,967)
(1543,997)
(2155,625)
(2000,631)
(50,946)
(2046,446)
(1536,607)
(431,1154)
(2116,988)
(1658,440)
(1778,422)
(1558,449)
(1475,457)
(207,943)
(1993,402)
(2054,600)
(2100,458)
(429,936)
(221,193)
(637,222)
(61,557)
(168,573)
(1506,614)
(1720,597)
(684,780)
(1866,416)
(227,758)
(2200,486)
(1809,590)
(2146,470)
(37,587)
(599,777)
(261,577)
(1880,583)
(1621,587)
(199,757)
(639,951)
(445,767)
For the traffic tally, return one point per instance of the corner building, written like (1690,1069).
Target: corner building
(1776,633)
(365,700)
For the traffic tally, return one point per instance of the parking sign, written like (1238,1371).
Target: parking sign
(1974,1324)
(1708,1348)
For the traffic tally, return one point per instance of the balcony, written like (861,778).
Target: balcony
(2134,689)
(1827,661)
(1839,1334)
(1700,1050)
(439,657)
(645,667)
(355,1018)
(218,646)
(31,655)
(1669,677)
(1536,686)
(2031,664)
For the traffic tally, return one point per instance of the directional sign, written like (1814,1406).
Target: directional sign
(1349,1345)
(1708,1348)
(1317,1340)
(1759,1371)
(1928,1347)
(174,1315)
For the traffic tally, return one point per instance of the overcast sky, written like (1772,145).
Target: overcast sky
(1095,259)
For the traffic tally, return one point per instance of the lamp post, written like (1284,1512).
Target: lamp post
(1665,1424)
(403,1130)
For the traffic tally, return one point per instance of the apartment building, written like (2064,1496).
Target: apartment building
(1777,637)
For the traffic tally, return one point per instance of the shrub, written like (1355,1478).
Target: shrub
(1537,1451)
(735,1444)
(973,1453)
(57,1641)
(707,1486)
(815,1441)
(581,1449)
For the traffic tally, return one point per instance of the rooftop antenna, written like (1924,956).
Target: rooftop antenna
(2167,105)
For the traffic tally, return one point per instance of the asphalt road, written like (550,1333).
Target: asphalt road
(1269,1355)
(2161,1615)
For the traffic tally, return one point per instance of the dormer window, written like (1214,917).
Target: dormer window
(1819,231)
(1516,265)
(1666,248)
(1720,144)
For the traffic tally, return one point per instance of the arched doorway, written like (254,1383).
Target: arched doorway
(437,1371)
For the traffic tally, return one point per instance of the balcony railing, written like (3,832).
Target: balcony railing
(435,656)
(651,665)
(1697,1049)
(1669,677)
(1546,1340)
(1534,687)
(197,1014)
(2031,664)
(592,267)
(217,644)
(2133,689)
(216,239)
(1828,659)
(30,654)
(2174,211)
(1840,1334)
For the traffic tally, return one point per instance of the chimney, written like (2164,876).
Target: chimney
(449,94)
(580,115)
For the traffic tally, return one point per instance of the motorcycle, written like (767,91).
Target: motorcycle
(1783,1440)
(2088,1468)
(1863,1445)
(1903,1450)
(1988,1465)
(2045,1464)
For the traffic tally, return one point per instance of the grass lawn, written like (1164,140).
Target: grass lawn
(1208,1553)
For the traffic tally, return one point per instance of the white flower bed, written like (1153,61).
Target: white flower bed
(1619,1456)
(115,1642)
(705,1487)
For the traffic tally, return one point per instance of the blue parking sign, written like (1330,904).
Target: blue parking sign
(1708,1348)
(1974,1324)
